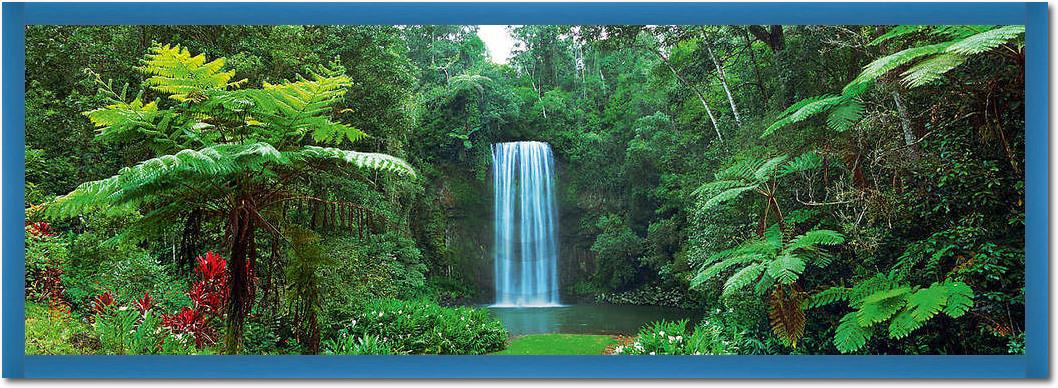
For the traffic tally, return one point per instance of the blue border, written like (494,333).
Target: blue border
(1034,364)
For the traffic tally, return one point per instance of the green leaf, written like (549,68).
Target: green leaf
(960,298)
(850,336)
(843,117)
(786,268)
(927,302)
(742,278)
(903,324)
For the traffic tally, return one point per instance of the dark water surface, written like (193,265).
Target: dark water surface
(586,318)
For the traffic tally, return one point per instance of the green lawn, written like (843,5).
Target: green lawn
(558,344)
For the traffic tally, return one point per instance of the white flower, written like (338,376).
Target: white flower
(652,354)
(380,314)
(671,338)
(661,332)
(679,338)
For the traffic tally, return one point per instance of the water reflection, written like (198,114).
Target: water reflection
(586,318)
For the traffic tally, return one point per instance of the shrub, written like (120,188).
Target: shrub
(423,327)
(664,337)
(122,330)
(348,344)
(654,296)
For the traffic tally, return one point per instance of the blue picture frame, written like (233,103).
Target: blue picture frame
(1033,363)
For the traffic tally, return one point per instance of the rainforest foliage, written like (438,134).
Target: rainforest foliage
(325,189)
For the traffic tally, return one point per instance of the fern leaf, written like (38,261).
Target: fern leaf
(715,269)
(174,71)
(927,302)
(804,162)
(897,31)
(843,117)
(786,316)
(769,168)
(742,278)
(786,268)
(850,336)
(960,298)
(367,160)
(726,195)
(806,108)
(814,238)
(931,69)
(829,296)
(903,324)
(881,306)
(987,40)
(883,65)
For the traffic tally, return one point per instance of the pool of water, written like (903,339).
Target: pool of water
(586,318)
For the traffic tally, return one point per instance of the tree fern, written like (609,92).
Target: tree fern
(925,63)
(235,154)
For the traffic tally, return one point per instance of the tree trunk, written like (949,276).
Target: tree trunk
(701,98)
(756,70)
(723,81)
(905,125)
(242,226)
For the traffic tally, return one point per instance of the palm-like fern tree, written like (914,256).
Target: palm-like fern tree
(224,152)
(773,264)
(759,176)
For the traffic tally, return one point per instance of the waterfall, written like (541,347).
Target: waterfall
(525,225)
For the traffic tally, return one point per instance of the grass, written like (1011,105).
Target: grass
(558,344)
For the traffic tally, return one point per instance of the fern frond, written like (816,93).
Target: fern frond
(931,69)
(786,268)
(881,306)
(850,336)
(986,40)
(883,65)
(367,160)
(845,115)
(726,195)
(744,277)
(174,71)
(804,109)
(829,296)
(814,238)
(786,316)
(960,298)
(294,108)
(804,162)
(903,324)
(897,31)
(927,302)
(769,168)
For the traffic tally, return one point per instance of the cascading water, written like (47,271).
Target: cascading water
(525,225)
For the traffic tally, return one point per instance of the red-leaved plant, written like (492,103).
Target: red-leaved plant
(209,296)
(39,229)
(144,304)
(191,322)
(101,304)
